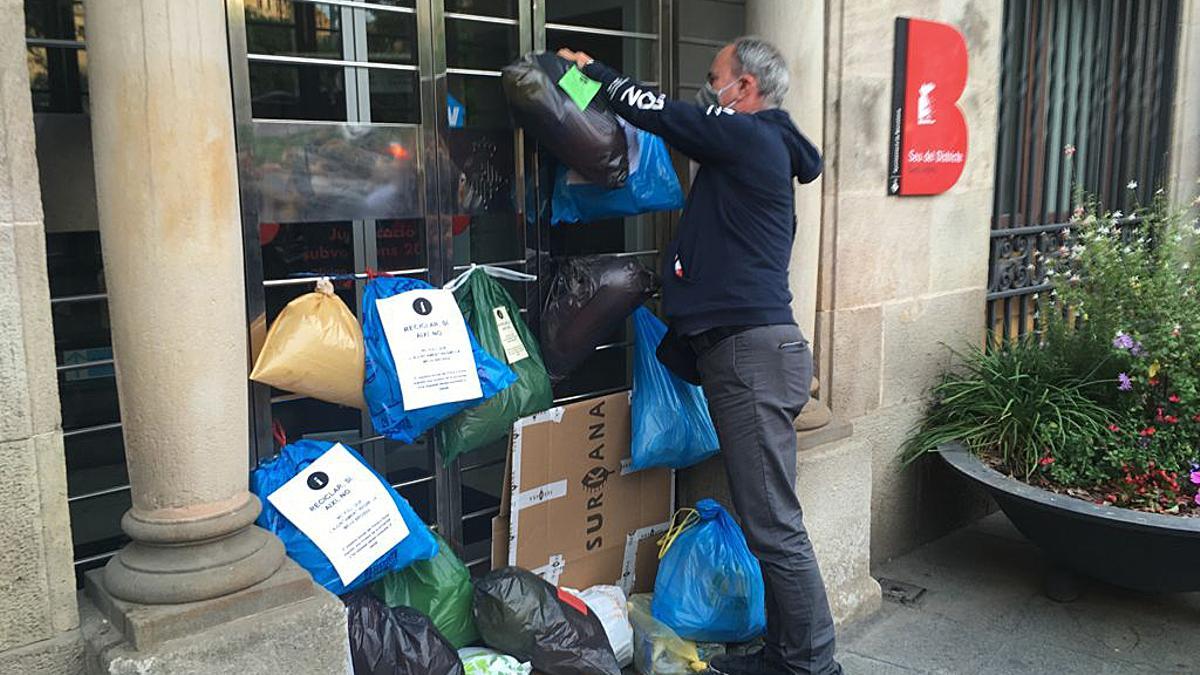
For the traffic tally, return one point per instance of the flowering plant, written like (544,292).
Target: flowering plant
(1104,404)
(1133,283)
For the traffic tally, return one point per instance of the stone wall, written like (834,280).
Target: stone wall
(38,615)
(901,278)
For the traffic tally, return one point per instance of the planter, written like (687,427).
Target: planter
(1147,552)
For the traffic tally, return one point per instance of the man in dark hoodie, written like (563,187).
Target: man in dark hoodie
(726,297)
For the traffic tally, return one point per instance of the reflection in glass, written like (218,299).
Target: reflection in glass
(88,397)
(284,91)
(631,56)
(639,16)
(481,169)
(57,79)
(54,19)
(95,461)
(395,96)
(312,172)
(290,249)
(478,45)
(603,371)
(81,333)
(400,244)
(488,238)
(502,8)
(96,523)
(293,29)
(422,498)
(391,37)
(482,101)
(406,463)
(310,418)
(74,264)
(412,464)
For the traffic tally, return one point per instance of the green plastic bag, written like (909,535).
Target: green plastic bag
(495,319)
(439,588)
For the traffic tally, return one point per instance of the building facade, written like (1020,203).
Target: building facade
(176,172)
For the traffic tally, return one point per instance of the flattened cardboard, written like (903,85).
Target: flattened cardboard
(585,444)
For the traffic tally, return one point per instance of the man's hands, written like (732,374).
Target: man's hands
(581,59)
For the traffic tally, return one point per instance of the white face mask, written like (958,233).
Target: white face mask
(710,96)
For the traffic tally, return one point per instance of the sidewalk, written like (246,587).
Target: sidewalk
(984,613)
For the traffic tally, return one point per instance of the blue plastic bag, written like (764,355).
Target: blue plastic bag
(381,386)
(272,473)
(671,424)
(709,587)
(652,186)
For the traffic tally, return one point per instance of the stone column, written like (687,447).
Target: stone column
(170,228)
(1185,137)
(798,29)
(38,617)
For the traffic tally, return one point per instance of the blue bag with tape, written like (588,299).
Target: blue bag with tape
(709,587)
(652,186)
(329,472)
(381,383)
(671,424)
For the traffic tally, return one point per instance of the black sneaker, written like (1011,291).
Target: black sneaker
(755,663)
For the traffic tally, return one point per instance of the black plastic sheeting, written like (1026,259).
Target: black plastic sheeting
(518,613)
(588,302)
(396,641)
(590,141)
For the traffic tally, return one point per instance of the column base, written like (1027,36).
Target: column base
(144,625)
(154,573)
(285,624)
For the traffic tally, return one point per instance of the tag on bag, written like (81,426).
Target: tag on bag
(510,340)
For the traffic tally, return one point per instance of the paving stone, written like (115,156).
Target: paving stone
(857,664)
(984,612)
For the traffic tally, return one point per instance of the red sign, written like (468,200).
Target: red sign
(928,146)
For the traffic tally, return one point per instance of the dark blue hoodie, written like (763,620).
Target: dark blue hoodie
(728,264)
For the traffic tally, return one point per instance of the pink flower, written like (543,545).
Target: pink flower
(1196,477)
(1046,461)
(1198,499)
(1174,398)
(1069,150)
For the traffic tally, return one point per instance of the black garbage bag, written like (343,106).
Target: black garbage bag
(589,299)
(519,613)
(590,140)
(396,641)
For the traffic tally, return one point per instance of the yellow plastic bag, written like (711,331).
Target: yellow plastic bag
(315,348)
(657,650)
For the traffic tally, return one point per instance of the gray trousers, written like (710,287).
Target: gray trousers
(756,383)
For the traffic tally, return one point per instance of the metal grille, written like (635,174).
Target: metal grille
(1085,103)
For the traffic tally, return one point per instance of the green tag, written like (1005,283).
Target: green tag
(581,88)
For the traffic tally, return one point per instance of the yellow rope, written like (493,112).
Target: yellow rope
(690,517)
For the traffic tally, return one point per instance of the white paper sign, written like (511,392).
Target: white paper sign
(344,509)
(432,349)
(510,339)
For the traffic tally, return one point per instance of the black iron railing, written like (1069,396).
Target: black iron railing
(1085,105)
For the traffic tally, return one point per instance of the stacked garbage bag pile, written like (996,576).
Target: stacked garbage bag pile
(460,362)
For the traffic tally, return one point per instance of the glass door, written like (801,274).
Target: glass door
(375,136)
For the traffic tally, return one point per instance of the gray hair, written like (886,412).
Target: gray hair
(755,56)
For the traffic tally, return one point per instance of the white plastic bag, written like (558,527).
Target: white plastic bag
(481,661)
(608,604)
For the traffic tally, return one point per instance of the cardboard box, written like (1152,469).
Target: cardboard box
(573,512)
